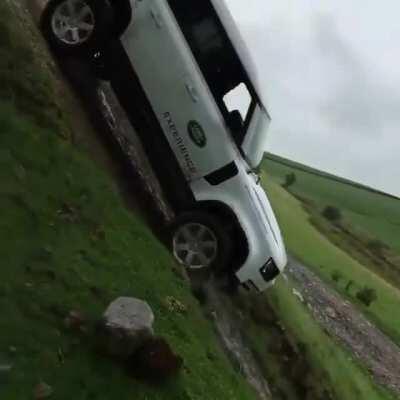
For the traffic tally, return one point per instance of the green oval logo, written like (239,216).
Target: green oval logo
(197,134)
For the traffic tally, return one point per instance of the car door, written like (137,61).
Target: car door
(177,91)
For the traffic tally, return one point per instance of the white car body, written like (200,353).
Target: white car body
(179,94)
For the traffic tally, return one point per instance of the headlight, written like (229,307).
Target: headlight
(269,271)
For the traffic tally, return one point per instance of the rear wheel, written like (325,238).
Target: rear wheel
(77,26)
(200,243)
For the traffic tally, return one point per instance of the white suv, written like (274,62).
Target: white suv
(183,74)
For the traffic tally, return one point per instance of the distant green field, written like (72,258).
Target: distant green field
(377,214)
(305,242)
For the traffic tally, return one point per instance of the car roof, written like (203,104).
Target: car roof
(240,47)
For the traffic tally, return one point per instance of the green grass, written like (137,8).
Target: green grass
(378,215)
(374,255)
(24,76)
(68,243)
(307,244)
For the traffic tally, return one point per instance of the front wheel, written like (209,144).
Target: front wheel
(200,243)
(76,26)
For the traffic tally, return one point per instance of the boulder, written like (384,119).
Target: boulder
(126,325)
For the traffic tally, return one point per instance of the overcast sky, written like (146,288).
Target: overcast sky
(331,72)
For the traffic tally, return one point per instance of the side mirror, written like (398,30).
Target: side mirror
(258,180)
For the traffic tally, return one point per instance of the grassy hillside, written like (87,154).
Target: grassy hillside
(306,243)
(377,214)
(68,243)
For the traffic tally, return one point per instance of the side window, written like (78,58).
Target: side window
(214,55)
(218,62)
(207,37)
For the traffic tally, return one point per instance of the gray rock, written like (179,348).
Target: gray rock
(127,324)
(331,313)
(298,295)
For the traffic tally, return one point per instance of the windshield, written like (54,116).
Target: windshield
(219,64)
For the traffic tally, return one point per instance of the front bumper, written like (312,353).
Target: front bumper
(264,278)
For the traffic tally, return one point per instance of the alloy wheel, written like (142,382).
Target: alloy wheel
(195,246)
(73,22)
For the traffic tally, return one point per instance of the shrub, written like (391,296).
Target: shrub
(332,214)
(336,276)
(349,285)
(290,180)
(367,296)
(377,247)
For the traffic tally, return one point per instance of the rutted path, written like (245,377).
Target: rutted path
(345,322)
(227,325)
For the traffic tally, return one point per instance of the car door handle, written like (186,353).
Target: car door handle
(156,18)
(192,92)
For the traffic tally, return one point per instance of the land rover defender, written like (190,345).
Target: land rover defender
(186,79)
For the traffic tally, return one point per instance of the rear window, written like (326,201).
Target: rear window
(218,62)
(206,37)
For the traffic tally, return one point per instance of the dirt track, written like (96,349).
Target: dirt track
(345,322)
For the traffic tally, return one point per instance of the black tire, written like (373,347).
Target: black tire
(103,17)
(123,16)
(222,260)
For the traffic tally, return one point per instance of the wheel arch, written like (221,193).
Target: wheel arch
(228,217)
(123,13)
